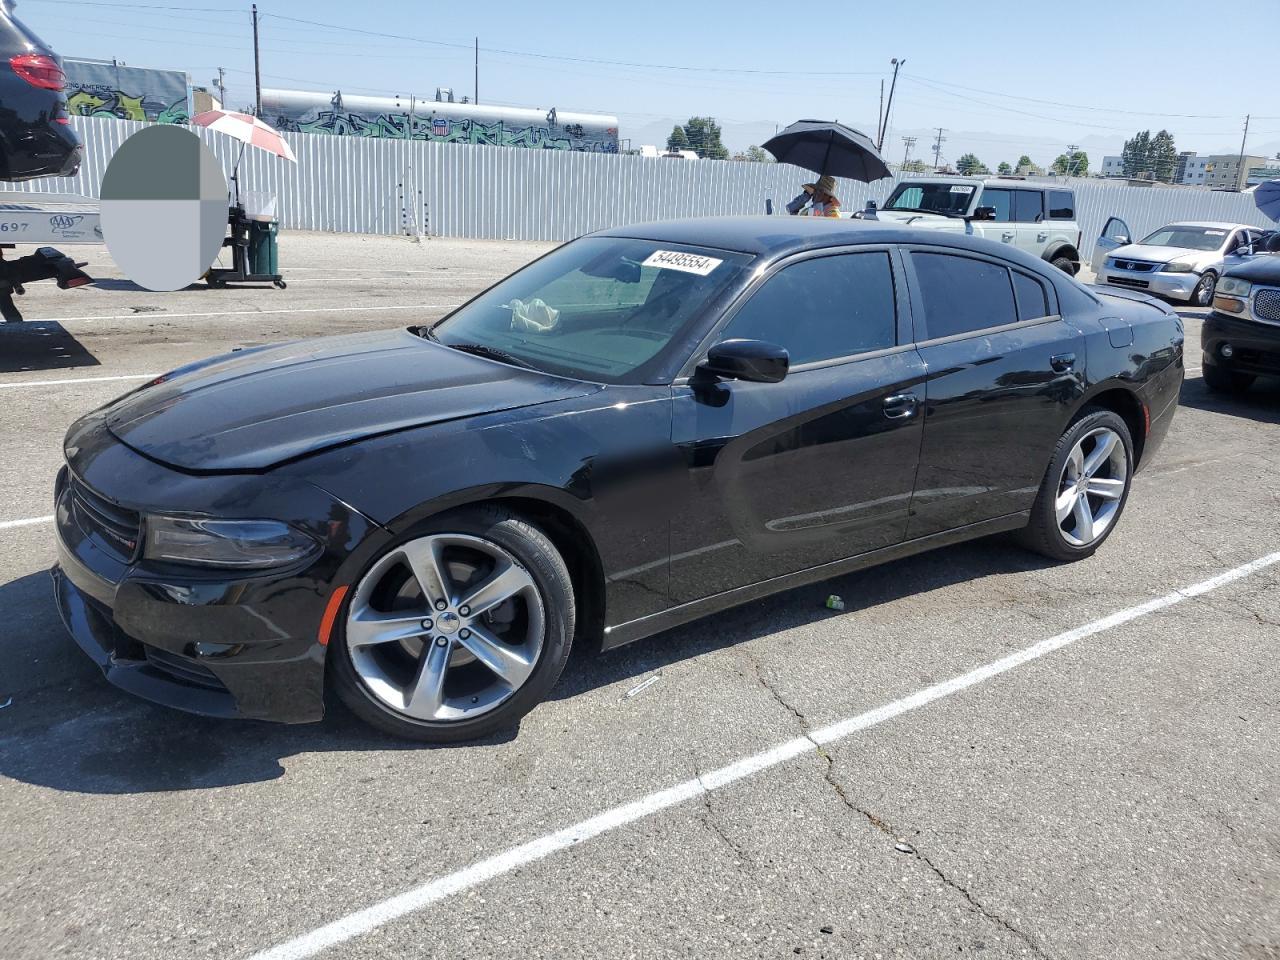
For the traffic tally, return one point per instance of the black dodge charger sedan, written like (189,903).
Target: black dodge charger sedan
(646,425)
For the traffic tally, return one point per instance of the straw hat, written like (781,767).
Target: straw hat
(825,185)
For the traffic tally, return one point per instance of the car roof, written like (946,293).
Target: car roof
(776,236)
(1210,224)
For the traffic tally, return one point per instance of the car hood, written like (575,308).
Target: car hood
(933,221)
(254,409)
(1260,268)
(1154,254)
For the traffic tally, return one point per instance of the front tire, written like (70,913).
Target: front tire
(1085,488)
(1202,295)
(1221,380)
(457,630)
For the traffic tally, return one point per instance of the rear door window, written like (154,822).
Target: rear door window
(1028,206)
(1033,302)
(962,294)
(823,308)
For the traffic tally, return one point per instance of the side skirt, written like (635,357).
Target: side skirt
(624,633)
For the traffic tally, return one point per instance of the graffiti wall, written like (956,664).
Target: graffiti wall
(407,119)
(104,89)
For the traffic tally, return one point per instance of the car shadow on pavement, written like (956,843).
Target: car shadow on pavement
(67,729)
(42,345)
(1260,403)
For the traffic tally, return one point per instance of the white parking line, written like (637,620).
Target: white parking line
(29,522)
(242,313)
(370,918)
(58,383)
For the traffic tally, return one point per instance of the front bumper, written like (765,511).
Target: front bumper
(223,644)
(1255,345)
(1174,286)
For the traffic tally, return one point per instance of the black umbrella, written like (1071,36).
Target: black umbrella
(828,148)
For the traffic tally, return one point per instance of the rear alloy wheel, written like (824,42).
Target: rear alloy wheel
(457,631)
(1202,295)
(1084,490)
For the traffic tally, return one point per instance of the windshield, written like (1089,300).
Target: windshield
(600,308)
(950,198)
(1189,238)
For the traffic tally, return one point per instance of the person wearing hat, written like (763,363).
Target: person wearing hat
(820,197)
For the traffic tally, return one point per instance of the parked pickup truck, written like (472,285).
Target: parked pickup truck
(1240,339)
(1035,217)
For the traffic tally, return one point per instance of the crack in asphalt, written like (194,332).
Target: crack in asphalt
(712,823)
(878,822)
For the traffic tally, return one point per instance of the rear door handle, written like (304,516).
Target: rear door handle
(900,406)
(1006,236)
(1063,362)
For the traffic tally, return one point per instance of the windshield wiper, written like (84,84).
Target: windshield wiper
(493,353)
(941,213)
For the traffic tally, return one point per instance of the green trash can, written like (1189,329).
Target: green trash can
(264,250)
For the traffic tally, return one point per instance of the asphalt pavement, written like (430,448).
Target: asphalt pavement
(984,755)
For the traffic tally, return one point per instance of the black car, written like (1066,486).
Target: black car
(36,139)
(1240,339)
(645,426)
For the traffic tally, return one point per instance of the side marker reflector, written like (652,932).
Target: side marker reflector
(331,614)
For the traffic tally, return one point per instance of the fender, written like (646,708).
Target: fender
(1062,247)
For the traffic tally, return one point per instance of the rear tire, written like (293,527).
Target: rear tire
(1080,501)
(1065,264)
(494,664)
(1222,380)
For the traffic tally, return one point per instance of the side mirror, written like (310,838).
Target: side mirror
(984,213)
(1120,239)
(755,361)
(1244,250)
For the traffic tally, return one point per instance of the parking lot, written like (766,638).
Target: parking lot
(983,755)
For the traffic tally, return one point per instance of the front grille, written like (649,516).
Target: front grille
(1137,266)
(183,670)
(113,527)
(1266,304)
(1128,282)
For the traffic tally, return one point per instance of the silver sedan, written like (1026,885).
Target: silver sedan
(1181,261)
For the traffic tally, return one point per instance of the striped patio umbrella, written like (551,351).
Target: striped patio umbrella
(246,129)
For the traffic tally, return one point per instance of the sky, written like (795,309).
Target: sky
(1001,82)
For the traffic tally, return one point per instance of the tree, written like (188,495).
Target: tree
(1004,169)
(970,164)
(1073,164)
(1164,156)
(703,134)
(753,154)
(915,166)
(678,139)
(1024,161)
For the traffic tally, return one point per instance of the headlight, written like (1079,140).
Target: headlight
(1236,288)
(1176,267)
(225,543)
(1110,263)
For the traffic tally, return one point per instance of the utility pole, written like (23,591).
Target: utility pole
(1240,174)
(257,67)
(1072,150)
(476,98)
(910,142)
(222,86)
(937,149)
(880,115)
(884,128)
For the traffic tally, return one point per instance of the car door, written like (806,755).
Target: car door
(1028,219)
(1115,234)
(1000,226)
(1003,373)
(819,466)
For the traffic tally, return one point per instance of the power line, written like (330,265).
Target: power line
(144,6)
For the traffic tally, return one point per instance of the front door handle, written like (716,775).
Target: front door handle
(1063,362)
(901,406)
(1041,237)
(1006,236)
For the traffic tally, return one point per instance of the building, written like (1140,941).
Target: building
(1190,169)
(1269,171)
(1112,166)
(1227,172)
(439,120)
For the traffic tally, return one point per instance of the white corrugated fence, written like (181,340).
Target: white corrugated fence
(359,185)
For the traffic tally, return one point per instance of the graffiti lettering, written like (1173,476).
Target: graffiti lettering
(400,126)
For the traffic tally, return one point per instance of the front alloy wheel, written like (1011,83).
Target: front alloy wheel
(458,630)
(1084,489)
(1202,295)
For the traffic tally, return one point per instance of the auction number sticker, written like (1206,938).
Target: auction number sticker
(684,262)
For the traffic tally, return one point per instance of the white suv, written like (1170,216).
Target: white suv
(1037,218)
